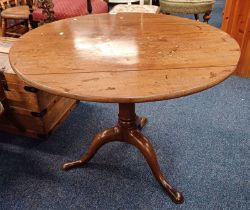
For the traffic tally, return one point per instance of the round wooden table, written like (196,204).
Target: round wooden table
(125,58)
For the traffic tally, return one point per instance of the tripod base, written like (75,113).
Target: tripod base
(128,130)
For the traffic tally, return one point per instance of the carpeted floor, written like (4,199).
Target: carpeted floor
(202,143)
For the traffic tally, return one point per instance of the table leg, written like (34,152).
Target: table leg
(141,122)
(127,130)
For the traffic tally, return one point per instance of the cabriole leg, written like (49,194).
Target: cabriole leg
(207,16)
(127,130)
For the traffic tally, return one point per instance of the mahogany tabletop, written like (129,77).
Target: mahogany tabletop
(124,58)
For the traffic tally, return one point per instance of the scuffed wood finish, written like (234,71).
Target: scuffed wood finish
(236,22)
(124,58)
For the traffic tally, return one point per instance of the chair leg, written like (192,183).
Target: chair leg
(156,2)
(4,26)
(207,16)
(26,23)
(196,16)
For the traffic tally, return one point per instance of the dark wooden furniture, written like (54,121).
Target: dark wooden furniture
(27,110)
(236,22)
(125,58)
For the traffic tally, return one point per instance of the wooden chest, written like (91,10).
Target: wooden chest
(37,112)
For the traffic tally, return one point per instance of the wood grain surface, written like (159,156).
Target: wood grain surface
(124,58)
(236,22)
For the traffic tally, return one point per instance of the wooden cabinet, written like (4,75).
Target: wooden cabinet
(236,22)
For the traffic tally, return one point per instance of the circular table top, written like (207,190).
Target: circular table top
(124,58)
